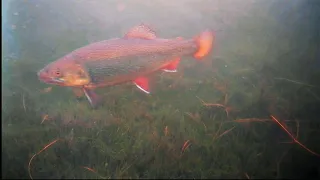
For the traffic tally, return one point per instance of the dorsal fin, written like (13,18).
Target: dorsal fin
(141,31)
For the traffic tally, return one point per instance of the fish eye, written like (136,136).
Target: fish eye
(57,72)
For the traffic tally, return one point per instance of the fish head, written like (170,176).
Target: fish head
(64,73)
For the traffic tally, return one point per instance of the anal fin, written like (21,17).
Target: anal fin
(93,98)
(143,84)
(173,66)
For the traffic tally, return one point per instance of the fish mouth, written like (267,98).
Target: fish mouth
(47,79)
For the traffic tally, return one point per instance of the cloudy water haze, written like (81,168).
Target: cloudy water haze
(249,109)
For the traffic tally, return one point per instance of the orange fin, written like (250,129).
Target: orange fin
(93,98)
(143,84)
(141,31)
(205,42)
(173,66)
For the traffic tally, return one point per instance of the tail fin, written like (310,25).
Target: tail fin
(205,42)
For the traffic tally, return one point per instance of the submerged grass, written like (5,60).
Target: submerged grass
(172,134)
(212,119)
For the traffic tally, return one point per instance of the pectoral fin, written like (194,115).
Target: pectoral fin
(93,98)
(143,84)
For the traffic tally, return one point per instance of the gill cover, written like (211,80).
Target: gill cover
(75,76)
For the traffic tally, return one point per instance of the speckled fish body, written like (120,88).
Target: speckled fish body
(128,59)
(122,60)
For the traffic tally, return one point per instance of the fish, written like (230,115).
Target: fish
(130,58)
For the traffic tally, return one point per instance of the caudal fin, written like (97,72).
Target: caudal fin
(205,43)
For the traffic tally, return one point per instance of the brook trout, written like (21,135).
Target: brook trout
(131,58)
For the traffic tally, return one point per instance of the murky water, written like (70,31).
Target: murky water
(265,61)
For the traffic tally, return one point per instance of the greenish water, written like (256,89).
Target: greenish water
(265,62)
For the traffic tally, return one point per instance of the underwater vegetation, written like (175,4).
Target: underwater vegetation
(249,110)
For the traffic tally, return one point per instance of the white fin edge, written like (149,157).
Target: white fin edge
(172,71)
(142,88)
(88,97)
